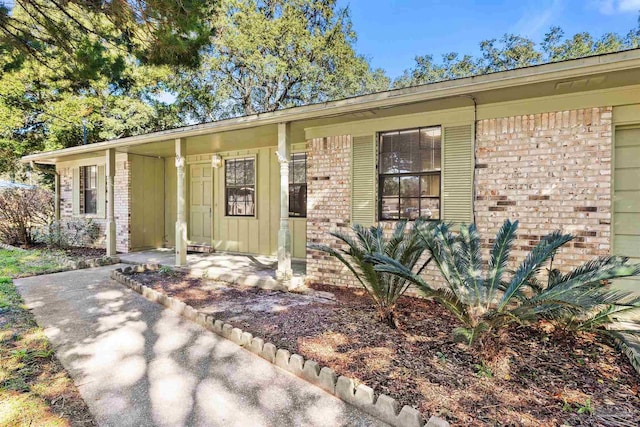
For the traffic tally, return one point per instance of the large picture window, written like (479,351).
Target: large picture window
(240,187)
(90,189)
(298,185)
(409,174)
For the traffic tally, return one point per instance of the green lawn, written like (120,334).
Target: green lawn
(35,390)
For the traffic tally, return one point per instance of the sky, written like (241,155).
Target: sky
(392,32)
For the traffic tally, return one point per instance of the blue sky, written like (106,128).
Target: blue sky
(391,33)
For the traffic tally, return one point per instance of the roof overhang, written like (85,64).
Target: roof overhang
(564,70)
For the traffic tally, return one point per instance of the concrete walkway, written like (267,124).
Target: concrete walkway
(137,364)
(247,270)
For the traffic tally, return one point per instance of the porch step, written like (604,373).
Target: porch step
(203,249)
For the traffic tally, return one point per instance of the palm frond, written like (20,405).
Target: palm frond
(532,264)
(499,258)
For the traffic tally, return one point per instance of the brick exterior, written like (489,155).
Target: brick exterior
(122,205)
(328,205)
(549,171)
(122,184)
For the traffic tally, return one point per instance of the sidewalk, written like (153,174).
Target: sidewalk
(137,364)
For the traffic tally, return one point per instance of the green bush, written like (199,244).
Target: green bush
(487,298)
(401,246)
(68,233)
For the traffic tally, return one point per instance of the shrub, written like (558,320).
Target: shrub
(402,246)
(488,300)
(21,212)
(68,233)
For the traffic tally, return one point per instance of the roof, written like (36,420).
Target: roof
(620,61)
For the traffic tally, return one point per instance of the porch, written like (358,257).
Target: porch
(247,270)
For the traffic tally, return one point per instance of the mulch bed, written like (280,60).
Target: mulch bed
(528,376)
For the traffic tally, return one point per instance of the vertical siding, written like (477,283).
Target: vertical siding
(259,234)
(147,206)
(170,201)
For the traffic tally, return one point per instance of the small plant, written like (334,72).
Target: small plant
(402,246)
(205,274)
(586,408)
(165,270)
(483,370)
(442,357)
(486,301)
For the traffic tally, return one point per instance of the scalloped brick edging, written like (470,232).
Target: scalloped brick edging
(92,262)
(11,247)
(362,397)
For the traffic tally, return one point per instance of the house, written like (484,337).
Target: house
(554,146)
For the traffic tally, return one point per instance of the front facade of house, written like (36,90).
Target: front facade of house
(555,146)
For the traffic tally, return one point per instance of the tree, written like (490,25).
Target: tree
(513,51)
(274,54)
(157,32)
(44,108)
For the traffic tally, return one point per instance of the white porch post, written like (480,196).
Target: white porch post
(181,220)
(284,271)
(110,167)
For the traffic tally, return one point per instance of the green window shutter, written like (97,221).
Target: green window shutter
(101,192)
(75,191)
(363,180)
(457,174)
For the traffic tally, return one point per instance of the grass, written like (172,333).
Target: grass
(29,263)
(35,390)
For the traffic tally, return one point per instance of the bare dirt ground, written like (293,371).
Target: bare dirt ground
(527,376)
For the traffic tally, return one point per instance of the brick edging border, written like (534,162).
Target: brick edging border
(362,397)
(92,262)
(632,354)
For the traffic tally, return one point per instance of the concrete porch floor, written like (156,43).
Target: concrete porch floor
(246,270)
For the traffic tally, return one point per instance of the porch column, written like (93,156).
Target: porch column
(284,271)
(181,217)
(110,167)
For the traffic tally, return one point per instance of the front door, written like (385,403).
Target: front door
(201,207)
(626,215)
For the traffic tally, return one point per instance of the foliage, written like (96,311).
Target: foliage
(21,212)
(44,104)
(402,246)
(486,301)
(68,233)
(514,51)
(276,54)
(155,31)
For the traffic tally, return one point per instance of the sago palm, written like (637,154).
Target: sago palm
(487,299)
(403,246)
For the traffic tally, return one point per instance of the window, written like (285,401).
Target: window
(90,189)
(298,185)
(409,174)
(240,187)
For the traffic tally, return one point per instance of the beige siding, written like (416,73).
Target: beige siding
(255,235)
(147,202)
(626,204)
(170,201)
